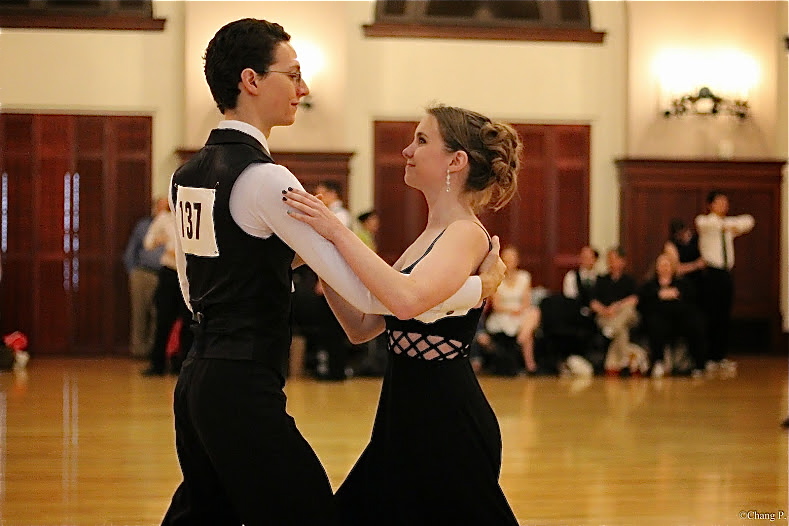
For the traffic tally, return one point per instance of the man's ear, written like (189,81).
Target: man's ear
(249,80)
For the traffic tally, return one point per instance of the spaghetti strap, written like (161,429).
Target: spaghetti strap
(410,267)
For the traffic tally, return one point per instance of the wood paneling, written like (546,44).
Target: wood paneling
(548,220)
(655,191)
(66,231)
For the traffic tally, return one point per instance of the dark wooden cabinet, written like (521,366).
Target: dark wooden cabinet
(654,191)
(548,220)
(73,187)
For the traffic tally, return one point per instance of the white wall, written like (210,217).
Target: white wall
(698,34)
(126,72)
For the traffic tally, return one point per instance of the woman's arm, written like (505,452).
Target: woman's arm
(682,268)
(257,193)
(359,327)
(455,256)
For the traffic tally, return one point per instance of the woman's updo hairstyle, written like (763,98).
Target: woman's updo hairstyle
(493,149)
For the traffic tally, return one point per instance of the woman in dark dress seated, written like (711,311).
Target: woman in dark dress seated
(434,457)
(668,307)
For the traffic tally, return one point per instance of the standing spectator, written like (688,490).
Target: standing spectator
(369,222)
(683,248)
(374,361)
(716,243)
(667,303)
(331,195)
(170,305)
(143,267)
(614,301)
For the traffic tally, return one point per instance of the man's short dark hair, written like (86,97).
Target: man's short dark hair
(713,195)
(332,185)
(676,226)
(245,43)
(366,215)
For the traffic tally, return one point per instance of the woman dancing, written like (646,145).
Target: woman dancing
(435,453)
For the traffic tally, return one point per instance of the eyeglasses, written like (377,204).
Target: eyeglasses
(295,76)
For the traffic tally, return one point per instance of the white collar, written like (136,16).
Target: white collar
(245,127)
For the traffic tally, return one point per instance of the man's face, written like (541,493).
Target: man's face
(281,94)
(372,224)
(327,195)
(616,263)
(587,257)
(720,205)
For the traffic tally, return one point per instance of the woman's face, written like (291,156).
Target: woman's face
(426,157)
(664,267)
(510,258)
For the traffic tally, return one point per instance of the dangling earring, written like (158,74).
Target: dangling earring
(447,181)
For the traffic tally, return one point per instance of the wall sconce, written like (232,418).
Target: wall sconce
(705,102)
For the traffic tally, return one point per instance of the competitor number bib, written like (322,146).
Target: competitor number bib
(194,212)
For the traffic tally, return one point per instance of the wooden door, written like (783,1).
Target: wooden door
(73,188)
(548,220)
(17,237)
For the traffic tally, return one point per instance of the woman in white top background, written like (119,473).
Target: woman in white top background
(512,318)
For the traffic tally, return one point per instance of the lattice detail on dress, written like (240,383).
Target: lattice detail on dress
(425,346)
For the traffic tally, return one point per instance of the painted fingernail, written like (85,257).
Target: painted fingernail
(290,189)
(284,198)
(284,192)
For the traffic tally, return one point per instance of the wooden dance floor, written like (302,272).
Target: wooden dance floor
(90,443)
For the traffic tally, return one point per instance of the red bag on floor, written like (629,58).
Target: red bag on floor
(174,342)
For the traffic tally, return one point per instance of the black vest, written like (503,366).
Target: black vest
(243,295)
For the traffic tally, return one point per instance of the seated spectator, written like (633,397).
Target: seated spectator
(614,301)
(579,282)
(512,318)
(481,350)
(667,304)
(567,322)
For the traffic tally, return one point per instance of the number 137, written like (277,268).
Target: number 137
(190,228)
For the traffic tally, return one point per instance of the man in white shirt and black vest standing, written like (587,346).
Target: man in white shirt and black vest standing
(242,457)
(716,232)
